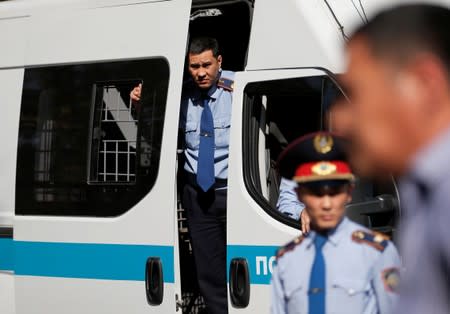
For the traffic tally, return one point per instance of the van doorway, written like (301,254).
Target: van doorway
(229,22)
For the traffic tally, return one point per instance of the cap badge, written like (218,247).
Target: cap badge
(323,143)
(323,168)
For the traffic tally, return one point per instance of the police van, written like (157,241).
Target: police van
(90,220)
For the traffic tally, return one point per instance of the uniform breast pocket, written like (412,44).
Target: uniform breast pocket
(296,296)
(354,294)
(221,132)
(192,135)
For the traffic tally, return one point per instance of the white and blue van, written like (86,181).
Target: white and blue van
(90,220)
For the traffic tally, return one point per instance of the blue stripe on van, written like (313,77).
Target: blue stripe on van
(88,260)
(6,254)
(260,259)
(115,261)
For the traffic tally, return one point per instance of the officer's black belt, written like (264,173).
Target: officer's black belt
(191,179)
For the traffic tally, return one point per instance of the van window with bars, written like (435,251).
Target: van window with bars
(84,148)
(114,137)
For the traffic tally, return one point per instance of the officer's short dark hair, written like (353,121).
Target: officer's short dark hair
(405,30)
(201,44)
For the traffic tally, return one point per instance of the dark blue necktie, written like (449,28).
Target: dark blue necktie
(316,292)
(205,165)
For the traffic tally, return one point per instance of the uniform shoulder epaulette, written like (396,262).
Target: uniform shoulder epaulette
(290,246)
(226,83)
(376,240)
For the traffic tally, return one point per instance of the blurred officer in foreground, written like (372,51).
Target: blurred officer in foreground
(398,80)
(340,266)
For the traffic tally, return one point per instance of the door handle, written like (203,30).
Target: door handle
(239,282)
(154,281)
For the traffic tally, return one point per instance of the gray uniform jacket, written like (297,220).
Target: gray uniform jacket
(361,267)
(425,231)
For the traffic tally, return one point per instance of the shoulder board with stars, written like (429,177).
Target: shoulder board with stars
(225,83)
(376,240)
(290,246)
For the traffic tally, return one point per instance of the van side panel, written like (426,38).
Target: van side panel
(10,95)
(56,261)
(131,31)
(6,273)
(13,42)
(11,79)
(295,34)
(11,90)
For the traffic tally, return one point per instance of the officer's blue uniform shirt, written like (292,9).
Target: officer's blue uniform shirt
(191,112)
(361,276)
(220,103)
(288,202)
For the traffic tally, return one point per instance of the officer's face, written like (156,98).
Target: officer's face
(326,205)
(204,68)
(381,120)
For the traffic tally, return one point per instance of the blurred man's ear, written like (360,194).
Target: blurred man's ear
(408,86)
(436,80)
(219,59)
(425,82)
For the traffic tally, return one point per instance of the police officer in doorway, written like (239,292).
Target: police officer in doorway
(205,118)
(339,266)
(205,123)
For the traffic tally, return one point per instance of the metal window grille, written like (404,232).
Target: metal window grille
(115,148)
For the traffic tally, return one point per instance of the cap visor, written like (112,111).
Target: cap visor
(315,178)
(324,183)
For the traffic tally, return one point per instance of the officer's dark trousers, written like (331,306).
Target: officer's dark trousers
(206,217)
